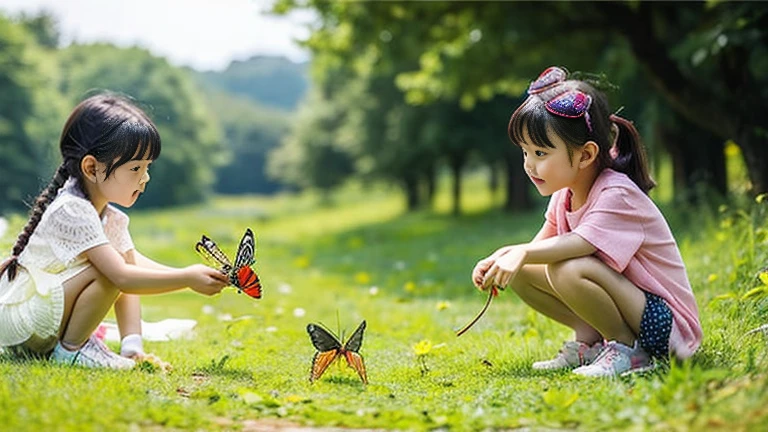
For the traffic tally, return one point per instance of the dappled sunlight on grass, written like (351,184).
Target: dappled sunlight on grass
(407,275)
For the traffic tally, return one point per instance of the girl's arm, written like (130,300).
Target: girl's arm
(134,279)
(142,261)
(547,251)
(558,248)
(484,265)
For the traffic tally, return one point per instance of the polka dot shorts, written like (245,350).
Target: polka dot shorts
(655,326)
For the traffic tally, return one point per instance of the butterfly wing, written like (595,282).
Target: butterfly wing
(248,282)
(355,361)
(246,250)
(328,348)
(356,340)
(322,339)
(208,250)
(320,363)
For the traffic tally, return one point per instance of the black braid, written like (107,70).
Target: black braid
(35,214)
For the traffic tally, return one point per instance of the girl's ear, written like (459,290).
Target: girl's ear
(88,167)
(588,154)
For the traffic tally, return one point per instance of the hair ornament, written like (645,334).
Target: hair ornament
(571,104)
(551,76)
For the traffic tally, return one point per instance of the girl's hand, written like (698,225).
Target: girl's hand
(206,280)
(151,362)
(482,266)
(505,268)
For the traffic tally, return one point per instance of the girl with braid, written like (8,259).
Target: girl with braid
(75,259)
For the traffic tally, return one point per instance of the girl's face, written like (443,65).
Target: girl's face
(550,169)
(124,185)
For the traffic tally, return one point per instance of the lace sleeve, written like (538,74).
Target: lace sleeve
(71,228)
(116,229)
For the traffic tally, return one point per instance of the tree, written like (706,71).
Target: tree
(30,116)
(706,59)
(272,81)
(310,156)
(251,132)
(192,147)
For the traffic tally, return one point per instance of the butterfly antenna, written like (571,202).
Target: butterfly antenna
(338,327)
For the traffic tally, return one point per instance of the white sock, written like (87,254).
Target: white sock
(131,345)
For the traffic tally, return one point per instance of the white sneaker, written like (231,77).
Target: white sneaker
(94,354)
(617,359)
(571,355)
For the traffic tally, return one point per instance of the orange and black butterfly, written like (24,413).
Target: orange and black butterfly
(329,348)
(241,275)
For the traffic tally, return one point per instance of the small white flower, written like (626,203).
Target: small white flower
(271,329)
(284,288)
(225,317)
(299,312)
(374,290)
(208,309)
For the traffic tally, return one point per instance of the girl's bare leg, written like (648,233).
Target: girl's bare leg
(128,309)
(128,314)
(534,288)
(87,299)
(599,296)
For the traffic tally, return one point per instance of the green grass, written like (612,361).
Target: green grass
(249,360)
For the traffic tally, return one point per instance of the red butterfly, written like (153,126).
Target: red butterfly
(329,348)
(241,275)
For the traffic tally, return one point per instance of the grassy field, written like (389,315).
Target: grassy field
(247,366)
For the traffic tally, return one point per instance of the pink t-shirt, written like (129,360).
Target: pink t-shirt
(632,237)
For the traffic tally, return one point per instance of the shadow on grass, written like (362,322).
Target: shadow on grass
(345,381)
(219,369)
(232,373)
(435,252)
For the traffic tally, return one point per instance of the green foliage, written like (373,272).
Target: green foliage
(30,116)
(43,27)
(251,132)
(192,140)
(310,156)
(272,81)
(247,366)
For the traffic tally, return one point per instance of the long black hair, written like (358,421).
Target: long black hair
(111,129)
(628,155)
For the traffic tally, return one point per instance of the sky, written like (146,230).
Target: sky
(203,34)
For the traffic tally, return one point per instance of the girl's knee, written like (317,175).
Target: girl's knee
(563,274)
(529,277)
(92,277)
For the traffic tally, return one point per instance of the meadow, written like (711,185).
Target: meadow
(362,257)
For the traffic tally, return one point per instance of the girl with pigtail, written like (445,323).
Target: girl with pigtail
(75,258)
(605,262)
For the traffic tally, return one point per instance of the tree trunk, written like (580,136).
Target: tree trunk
(698,160)
(518,184)
(430,182)
(755,149)
(457,164)
(493,183)
(734,116)
(411,189)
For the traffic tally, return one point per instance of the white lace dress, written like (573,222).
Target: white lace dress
(32,305)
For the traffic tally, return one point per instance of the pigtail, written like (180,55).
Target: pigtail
(41,203)
(629,156)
